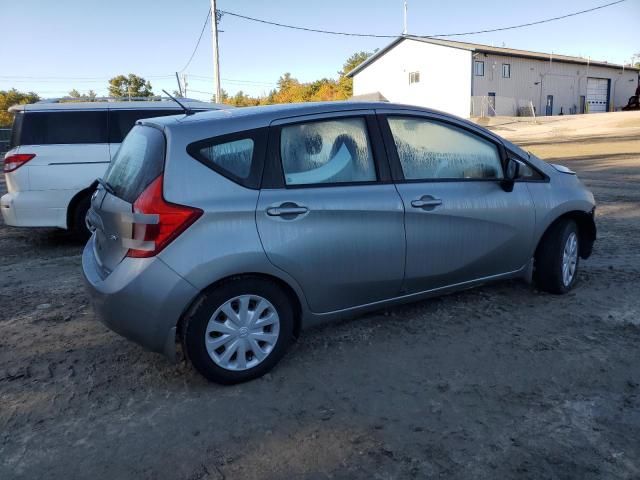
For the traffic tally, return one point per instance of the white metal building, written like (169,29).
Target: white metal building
(469,79)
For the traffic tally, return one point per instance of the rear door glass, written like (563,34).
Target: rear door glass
(47,128)
(139,161)
(122,121)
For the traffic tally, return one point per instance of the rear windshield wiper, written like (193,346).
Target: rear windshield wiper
(106,185)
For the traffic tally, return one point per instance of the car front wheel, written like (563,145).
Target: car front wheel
(557,258)
(239,330)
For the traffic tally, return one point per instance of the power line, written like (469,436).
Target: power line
(373,35)
(206,20)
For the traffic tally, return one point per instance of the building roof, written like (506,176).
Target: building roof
(479,48)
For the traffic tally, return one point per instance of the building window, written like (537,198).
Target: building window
(414,77)
(478,68)
(506,70)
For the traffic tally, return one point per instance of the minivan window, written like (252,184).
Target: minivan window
(139,161)
(46,128)
(434,150)
(122,121)
(327,151)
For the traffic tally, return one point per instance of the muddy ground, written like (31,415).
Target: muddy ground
(498,382)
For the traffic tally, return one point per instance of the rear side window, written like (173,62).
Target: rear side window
(47,128)
(122,121)
(233,157)
(330,151)
(16,130)
(139,161)
(237,156)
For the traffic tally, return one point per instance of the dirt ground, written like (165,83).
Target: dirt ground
(498,382)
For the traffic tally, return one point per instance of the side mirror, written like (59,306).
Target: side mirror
(511,173)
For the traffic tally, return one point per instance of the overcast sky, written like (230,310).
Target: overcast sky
(53,46)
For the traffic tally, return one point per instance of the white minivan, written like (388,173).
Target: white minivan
(58,150)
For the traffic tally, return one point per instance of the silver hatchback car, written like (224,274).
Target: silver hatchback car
(230,231)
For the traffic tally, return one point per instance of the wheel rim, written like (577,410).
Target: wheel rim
(242,332)
(569,259)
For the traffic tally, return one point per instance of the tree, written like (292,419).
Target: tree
(75,95)
(346,83)
(12,97)
(129,86)
(291,90)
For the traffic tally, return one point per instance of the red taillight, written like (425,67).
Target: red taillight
(15,161)
(173,219)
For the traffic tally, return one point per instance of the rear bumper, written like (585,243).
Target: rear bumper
(32,209)
(142,299)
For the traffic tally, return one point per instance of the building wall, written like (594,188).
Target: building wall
(565,81)
(445,77)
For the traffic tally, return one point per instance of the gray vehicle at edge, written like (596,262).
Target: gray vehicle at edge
(230,231)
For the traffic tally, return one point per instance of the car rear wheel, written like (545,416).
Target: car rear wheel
(239,330)
(557,258)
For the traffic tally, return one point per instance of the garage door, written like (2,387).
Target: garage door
(597,94)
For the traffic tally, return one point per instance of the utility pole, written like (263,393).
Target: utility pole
(216,59)
(404,30)
(179,86)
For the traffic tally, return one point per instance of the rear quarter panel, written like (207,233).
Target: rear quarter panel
(224,241)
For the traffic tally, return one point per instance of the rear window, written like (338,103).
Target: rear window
(139,161)
(121,121)
(237,156)
(47,128)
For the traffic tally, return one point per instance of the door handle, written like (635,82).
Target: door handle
(426,203)
(286,211)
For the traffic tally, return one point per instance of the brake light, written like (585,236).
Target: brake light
(15,161)
(173,219)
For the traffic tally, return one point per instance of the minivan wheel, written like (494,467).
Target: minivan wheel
(239,330)
(79,225)
(557,258)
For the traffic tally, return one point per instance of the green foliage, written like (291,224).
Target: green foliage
(12,97)
(129,86)
(291,90)
(76,96)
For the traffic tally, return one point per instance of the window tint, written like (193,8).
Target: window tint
(45,128)
(434,150)
(333,151)
(139,161)
(232,157)
(121,121)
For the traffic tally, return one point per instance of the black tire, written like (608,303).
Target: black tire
(548,259)
(194,331)
(78,224)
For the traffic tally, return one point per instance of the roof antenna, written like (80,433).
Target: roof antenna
(187,111)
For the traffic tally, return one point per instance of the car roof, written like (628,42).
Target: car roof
(134,105)
(213,123)
(265,114)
